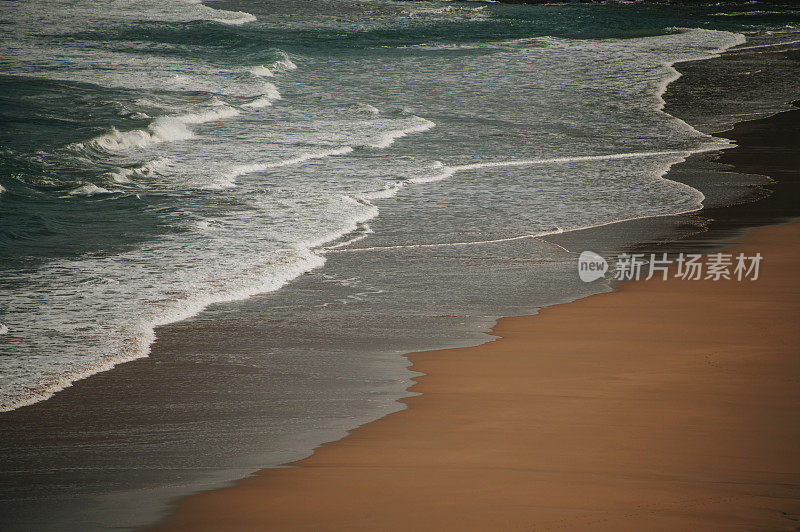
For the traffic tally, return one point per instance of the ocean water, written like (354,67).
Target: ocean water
(159,157)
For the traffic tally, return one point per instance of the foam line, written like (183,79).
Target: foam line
(529,162)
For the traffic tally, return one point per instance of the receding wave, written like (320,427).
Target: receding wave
(384,140)
(443,172)
(388,138)
(229,179)
(269,275)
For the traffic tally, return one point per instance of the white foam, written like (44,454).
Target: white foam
(162,129)
(237,18)
(362,212)
(440,172)
(270,95)
(116,140)
(749,13)
(447,171)
(124,175)
(3,329)
(365,108)
(220,112)
(259,103)
(561,160)
(88,190)
(759,46)
(229,177)
(365,231)
(261,71)
(284,64)
(388,191)
(732,39)
(388,138)
(269,275)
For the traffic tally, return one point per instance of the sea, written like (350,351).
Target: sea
(306,190)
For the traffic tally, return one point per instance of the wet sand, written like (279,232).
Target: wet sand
(669,405)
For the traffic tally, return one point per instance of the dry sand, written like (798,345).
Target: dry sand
(670,405)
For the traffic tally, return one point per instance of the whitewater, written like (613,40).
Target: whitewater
(225,185)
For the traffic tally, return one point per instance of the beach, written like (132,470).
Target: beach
(667,405)
(314,265)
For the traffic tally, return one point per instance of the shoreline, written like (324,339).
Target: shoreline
(332,245)
(170,338)
(615,411)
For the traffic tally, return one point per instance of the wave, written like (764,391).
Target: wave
(443,172)
(447,171)
(123,175)
(751,13)
(162,129)
(268,276)
(261,71)
(364,109)
(229,177)
(241,18)
(260,102)
(362,212)
(385,140)
(440,172)
(221,111)
(224,16)
(573,159)
(89,189)
(362,231)
(759,46)
(284,64)
(270,95)
(388,138)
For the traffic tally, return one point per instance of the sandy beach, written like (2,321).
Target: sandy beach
(667,405)
(670,405)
